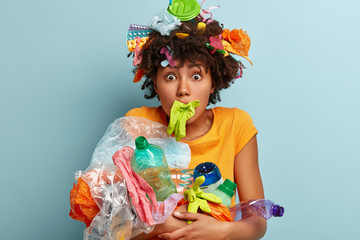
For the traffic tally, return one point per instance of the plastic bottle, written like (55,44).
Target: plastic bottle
(261,207)
(226,191)
(212,176)
(149,162)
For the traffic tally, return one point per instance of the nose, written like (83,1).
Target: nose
(183,88)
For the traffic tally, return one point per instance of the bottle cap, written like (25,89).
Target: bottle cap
(141,142)
(228,187)
(278,211)
(184,10)
(209,170)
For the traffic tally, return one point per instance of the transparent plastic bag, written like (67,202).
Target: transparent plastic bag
(117,218)
(123,132)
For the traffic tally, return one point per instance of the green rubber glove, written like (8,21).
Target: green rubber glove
(198,199)
(179,114)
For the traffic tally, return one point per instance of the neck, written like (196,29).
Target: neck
(200,127)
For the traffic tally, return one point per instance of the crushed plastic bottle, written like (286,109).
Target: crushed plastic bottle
(261,207)
(150,163)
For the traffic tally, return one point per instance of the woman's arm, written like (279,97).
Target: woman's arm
(247,176)
(249,185)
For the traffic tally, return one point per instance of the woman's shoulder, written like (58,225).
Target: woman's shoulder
(230,113)
(140,112)
(155,114)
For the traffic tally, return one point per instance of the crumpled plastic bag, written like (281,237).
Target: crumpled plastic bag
(116,217)
(166,208)
(123,132)
(83,206)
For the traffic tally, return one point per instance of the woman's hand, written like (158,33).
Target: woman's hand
(202,227)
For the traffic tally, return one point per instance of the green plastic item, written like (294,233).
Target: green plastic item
(226,191)
(148,160)
(179,114)
(228,187)
(198,199)
(184,10)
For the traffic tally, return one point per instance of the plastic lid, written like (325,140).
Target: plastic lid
(209,170)
(184,10)
(228,187)
(141,142)
(278,211)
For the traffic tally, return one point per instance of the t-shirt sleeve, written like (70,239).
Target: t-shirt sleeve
(245,129)
(136,112)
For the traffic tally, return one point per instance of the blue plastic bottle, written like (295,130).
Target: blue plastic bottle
(212,176)
(149,162)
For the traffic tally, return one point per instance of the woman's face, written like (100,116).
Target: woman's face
(184,84)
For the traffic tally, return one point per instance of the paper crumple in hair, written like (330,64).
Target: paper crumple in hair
(164,22)
(179,114)
(237,41)
(169,60)
(138,188)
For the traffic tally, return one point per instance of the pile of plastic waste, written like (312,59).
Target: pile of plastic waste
(139,174)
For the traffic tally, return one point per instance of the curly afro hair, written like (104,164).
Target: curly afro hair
(192,48)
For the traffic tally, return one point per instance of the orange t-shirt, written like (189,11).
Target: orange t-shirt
(231,130)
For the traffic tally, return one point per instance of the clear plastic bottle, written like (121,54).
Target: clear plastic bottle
(149,162)
(261,207)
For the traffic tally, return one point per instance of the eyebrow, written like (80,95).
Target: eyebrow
(192,65)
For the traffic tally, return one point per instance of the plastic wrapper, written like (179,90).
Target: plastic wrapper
(116,219)
(166,208)
(83,206)
(123,132)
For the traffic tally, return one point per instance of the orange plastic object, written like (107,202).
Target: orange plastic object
(218,211)
(138,75)
(132,43)
(182,35)
(237,41)
(83,206)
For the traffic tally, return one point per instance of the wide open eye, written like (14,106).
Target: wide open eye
(170,77)
(196,77)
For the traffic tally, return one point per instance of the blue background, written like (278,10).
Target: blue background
(65,77)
